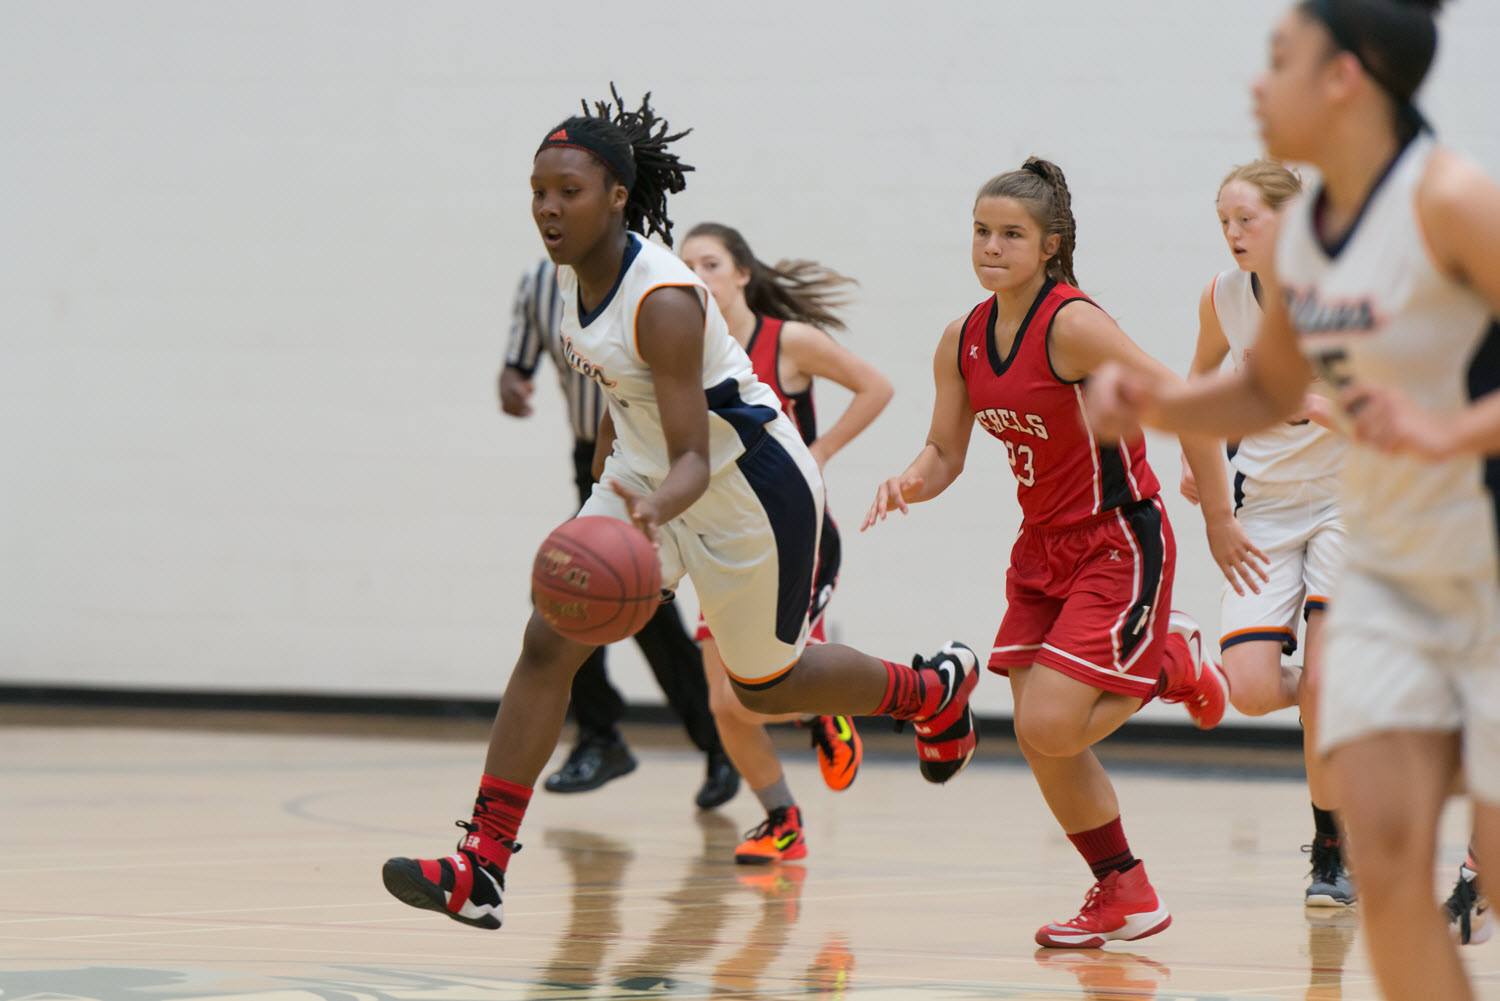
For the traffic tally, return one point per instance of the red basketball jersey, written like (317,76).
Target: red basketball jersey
(1063,474)
(764,350)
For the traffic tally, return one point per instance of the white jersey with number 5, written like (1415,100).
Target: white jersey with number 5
(1373,307)
(602,345)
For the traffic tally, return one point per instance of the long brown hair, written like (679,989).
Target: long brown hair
(804,291)
(1039,185)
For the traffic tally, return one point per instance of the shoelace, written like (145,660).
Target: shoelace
(776,818)
(1326,862)
(1095,900)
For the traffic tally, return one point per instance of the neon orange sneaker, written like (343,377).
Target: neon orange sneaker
(777,884)
(839,750)
(777,839)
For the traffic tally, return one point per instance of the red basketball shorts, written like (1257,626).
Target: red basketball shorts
(1092,599)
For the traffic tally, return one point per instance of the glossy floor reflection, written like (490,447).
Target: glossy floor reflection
(183,864)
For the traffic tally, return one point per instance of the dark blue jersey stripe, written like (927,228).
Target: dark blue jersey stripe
(1484,378)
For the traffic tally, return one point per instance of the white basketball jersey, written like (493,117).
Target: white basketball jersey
(1285,453)
(602,345)
(1374,308)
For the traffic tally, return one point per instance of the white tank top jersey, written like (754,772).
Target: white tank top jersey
(1286,453)
(1375,308)
(602,345)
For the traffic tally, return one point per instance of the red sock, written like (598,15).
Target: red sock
(906,693)
(498,811)
(1104,849)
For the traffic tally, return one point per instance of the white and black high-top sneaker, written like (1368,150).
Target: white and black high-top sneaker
(946,737)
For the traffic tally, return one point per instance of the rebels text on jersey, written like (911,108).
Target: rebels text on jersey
(1063,474)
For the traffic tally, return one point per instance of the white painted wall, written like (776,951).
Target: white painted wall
(256,261)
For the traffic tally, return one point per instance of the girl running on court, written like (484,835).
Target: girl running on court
(702,460)
(1386,281)
(1087,637)
(1285,494)
(775,313)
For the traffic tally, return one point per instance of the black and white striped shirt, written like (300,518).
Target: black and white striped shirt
(536,324)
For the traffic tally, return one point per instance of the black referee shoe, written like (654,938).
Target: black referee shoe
(720,783)
(594,761)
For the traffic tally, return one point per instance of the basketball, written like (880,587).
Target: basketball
(596,580)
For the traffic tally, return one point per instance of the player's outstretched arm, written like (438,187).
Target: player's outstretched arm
(1084,339)
(818,355)
(942,459)
(1209,353)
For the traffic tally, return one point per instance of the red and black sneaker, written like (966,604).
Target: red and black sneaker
(462,885)
(946,739)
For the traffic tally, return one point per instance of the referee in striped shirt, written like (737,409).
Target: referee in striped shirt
(601,754)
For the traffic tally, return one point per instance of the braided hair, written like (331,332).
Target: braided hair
(804,291)
(1039,185)
(632,145)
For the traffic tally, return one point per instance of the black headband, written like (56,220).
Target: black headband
(1034,168)
(622,167)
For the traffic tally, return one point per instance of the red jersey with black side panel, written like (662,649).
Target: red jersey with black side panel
(1090,580)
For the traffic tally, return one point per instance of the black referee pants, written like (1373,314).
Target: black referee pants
(675,660)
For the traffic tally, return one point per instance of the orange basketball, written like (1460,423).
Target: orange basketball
(596,580)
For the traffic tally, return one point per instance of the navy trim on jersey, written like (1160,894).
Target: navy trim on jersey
(1483,379)
(1143,519)
(1239,489)
(787,500)
(999,367)
(632,248)
(1288,644)
(1335,248)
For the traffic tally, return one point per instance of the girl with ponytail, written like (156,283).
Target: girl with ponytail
(1385,283)
(1088,636)
(775,313)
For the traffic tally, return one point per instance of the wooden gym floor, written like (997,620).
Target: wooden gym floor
(218,856)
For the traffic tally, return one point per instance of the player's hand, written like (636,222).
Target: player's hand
(1188,485)
(1240,561)
(643,513)
(1386,418)
(515,393)
(891,493)
(1115,397)
(1316,408)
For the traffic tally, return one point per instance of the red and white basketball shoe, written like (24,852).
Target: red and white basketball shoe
(1120,907)
(1196,681)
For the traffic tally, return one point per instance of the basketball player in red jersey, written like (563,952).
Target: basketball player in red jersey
(1087,637)
(775,314)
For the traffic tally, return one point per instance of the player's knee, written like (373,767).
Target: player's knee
(1254,682)
(1052,735)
